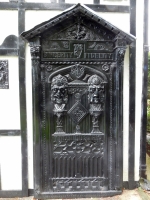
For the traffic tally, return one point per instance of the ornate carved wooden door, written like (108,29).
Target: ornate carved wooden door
(77,61)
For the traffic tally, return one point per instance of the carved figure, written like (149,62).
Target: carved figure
(59,89)
(95,88)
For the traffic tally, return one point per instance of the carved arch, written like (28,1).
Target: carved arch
(87,69)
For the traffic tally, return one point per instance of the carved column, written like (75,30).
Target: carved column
(121,46)
(35,49)
(120,56)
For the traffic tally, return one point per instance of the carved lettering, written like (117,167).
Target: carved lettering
(98,56)
(47,54)
(54,55)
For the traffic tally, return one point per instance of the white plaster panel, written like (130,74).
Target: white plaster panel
(33,18)
(115,2)
(9,25)
(120,20)
(29,116)
(38,1)
(81,1)
(10,163)
(125,115)
(139,66)
(9,101)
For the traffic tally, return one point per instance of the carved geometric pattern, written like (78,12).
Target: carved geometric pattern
(4,74)
(81,156)
(77,112)
(83,184)
(84,62)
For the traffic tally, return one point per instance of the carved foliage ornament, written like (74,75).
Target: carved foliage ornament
(4,74)
(35,50)
(81,32)
(120,56)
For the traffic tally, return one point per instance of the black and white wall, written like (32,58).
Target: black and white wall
(16,131)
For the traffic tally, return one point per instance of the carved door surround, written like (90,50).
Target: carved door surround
(77,66)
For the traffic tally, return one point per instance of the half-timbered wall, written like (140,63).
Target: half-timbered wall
(16,135)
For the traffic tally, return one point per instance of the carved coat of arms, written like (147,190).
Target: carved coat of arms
(78,48)
(77,71)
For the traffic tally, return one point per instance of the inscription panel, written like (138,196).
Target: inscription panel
(78,51)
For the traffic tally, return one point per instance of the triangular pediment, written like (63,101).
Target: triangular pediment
(80,31)
(77,23)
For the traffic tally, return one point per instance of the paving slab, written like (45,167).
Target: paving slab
(137,194)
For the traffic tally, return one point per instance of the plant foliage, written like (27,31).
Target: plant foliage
(148,101)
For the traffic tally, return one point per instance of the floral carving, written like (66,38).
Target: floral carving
(105,67)
(47,66)
(80,32)
(120,55)
(35,50)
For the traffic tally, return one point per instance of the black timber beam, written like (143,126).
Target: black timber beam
(60,6)
(9,132)
(132,83)
(22,94)
(144,94)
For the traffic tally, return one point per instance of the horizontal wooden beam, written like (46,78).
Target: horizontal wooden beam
(60,6)
(9,132)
